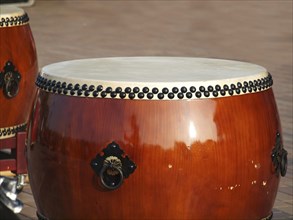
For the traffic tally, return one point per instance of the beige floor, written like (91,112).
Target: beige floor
(254,31)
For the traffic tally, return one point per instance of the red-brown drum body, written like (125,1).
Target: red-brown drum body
(195,152)
(18,70)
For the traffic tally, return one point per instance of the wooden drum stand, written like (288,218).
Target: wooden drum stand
(14,161)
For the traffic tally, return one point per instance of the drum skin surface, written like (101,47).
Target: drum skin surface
(17,48)
(196,159)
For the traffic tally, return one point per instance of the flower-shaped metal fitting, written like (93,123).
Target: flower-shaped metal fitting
(279,157)
(112,165)
(9,80)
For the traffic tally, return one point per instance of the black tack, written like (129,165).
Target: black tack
(160,96)
(69,86)
(189,95)
(165,90)
(131,95)
(113,94)
(198,94)
(127,90)
(180,95)
(232,86)
(206,93)
(202,88)
(140,95)
(210,88)
(135,89)
(155,90)
(150,95)
(192,89)
(145,90)
(103,94)
(87,93)
(118,89)
(92,88)
(79,92)
(218,87)
(108,90)
(122,95)
(183,89)
(99,88)
(76,87)
(175,90)
(95,93)
(215,93)
(171,95)
(84,87)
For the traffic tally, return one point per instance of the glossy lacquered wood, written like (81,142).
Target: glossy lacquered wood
(197,159)
(17,46)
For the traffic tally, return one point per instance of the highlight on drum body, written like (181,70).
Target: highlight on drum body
(155,137)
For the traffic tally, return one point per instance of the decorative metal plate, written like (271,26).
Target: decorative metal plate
(279,157)
(9,80)
(112,165)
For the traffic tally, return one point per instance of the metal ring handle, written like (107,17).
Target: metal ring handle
(11,88)
(112,166)
(111,181)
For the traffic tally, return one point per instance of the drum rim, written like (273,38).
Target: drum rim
(154,90)
(16,17)
(8,132)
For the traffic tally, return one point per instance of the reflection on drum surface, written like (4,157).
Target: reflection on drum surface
(190,158)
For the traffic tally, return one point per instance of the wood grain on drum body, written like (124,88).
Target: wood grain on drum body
(17,46)
(196,159)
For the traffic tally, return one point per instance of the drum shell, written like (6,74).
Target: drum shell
(196,159)
(18,47)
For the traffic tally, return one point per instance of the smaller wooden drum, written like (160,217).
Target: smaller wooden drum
(18,70)
(155,138)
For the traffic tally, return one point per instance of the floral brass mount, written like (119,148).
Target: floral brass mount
(9,80)
(112,165)
(279,157)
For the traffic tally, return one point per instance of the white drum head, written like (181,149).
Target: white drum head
(164,75)
(12,16)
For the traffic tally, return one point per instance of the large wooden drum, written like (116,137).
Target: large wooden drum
(18,70)
(155,138)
